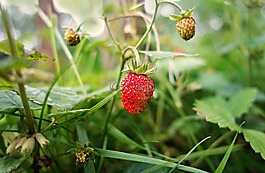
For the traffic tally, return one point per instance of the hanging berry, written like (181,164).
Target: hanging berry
(71,37)
(185,24)
(137,88)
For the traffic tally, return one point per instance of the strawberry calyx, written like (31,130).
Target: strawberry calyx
(144,68)
(183,14)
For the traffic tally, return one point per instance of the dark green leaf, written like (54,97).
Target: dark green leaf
(9,164)
(10,100)
(60,97)
(5,47)
(256,140)
(215,110)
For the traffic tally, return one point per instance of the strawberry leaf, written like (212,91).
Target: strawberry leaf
(60,97)
(215,110)
(11,100)
(241,101)
(256,140)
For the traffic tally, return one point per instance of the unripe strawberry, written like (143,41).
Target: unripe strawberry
(186,27)
(71,37)
(136,91)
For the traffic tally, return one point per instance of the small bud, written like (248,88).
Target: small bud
(21,142)
(12,146)
(28,146)
(41,140)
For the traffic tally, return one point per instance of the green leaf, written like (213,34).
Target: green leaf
(143,159)
(9,164)
(256,140)
(215,110)
(5,47)
(222,164)
(166,54)
(38,56)
(81,133)
(240,102)
(10,100)
(89,167)
(9,63)
(60,97)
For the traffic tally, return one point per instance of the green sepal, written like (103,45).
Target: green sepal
(142,69)
(189,12)
(175,17)
(183,14)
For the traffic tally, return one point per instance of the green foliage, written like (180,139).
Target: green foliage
(10,100)
(224,161)
(60,97)
(256,140)
(5,47)
(10,163)
(218,74)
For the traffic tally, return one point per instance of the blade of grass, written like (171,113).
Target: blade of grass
(222,164)
(144,159)
(189,153)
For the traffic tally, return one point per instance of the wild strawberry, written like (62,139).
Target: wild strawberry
(185,24)
(136,91)
(71,37)
(186,28)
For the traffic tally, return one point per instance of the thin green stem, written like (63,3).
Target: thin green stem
(20,83)
(111,35)
(173,4)
(153,19)
(135,52)
(64,47)
(54,46)
(150,27)
(26,106)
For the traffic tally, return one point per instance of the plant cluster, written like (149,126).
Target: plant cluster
(74,119)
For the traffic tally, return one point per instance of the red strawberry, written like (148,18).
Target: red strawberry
(136,91)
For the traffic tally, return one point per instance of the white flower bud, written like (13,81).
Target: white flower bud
(42,140)
(28,146)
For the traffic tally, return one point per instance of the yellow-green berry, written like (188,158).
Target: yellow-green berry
(71,37)
(186,27)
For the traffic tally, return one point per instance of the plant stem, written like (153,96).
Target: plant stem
(111,35)
(20,83)
(25,103)
(172,3)
(150,27)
